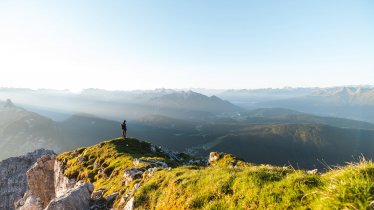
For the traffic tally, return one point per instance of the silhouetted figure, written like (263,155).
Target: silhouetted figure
(124,129)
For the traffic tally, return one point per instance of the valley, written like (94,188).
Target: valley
(184,122)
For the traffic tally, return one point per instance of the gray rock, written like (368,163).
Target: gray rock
(136,162)
(50,189)
(152,161)
(132,174)
(97,201)
(130,204)
(13,181)
(77,198)
(81,159)
(153,149)
(136,186)
(61,182)
(123,199)
(314,171)
(214,156)
(40,179)
(110,198)
(97,194)
(32,203)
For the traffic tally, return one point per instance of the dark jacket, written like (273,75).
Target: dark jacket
(124,127)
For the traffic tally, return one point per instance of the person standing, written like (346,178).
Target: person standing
(124,129)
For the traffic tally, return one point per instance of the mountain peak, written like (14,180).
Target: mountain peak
(9,104)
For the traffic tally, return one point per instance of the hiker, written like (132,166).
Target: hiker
(124,129)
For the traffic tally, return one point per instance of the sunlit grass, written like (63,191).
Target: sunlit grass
(228,183)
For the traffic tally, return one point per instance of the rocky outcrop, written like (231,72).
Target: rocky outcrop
(40,179)
(13,181)
(131,174)
(40,184)
(76,198)
(224,159)
(214,156)
(61,183)
(49,189)
(130,204)
(9,104)
(32,203)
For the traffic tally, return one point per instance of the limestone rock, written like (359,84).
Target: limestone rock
(130,204)
(40,179)
(49,189)
(213,156)
(97,201)
(132,174)
(77,198)
(97,194)
(153,162)
(61,182)
(314,171)
(110,198)
(32,203)
(13,181)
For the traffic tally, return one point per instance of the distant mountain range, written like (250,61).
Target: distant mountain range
(250,97)
(280,138)
(195,123)
(287,116)
(346,96)
(275,136)
(345,102)
(116,105)
(22,131)
(353,102)
(191,105)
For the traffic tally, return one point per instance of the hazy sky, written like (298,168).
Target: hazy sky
(180,44)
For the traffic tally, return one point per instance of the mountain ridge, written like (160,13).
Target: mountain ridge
(141,176)
(132,174)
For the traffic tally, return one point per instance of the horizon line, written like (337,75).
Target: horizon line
(191,88)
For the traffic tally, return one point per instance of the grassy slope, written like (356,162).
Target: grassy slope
(219,186)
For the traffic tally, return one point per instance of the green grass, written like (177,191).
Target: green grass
(104,163)
(228,183)
(350,187)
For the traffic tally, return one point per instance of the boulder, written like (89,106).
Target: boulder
(110,198)
(214,156)
(32,202)
(13,180)
(77,198)
(98,194)
(130,204)
(48,188)
(97,201)
(314,171)
(61,182)
(40,179)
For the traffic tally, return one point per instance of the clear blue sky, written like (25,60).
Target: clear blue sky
(75,44)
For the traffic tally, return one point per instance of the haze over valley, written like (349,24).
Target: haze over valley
(214,104)
(305,127)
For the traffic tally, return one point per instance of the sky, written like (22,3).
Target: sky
(147,44)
